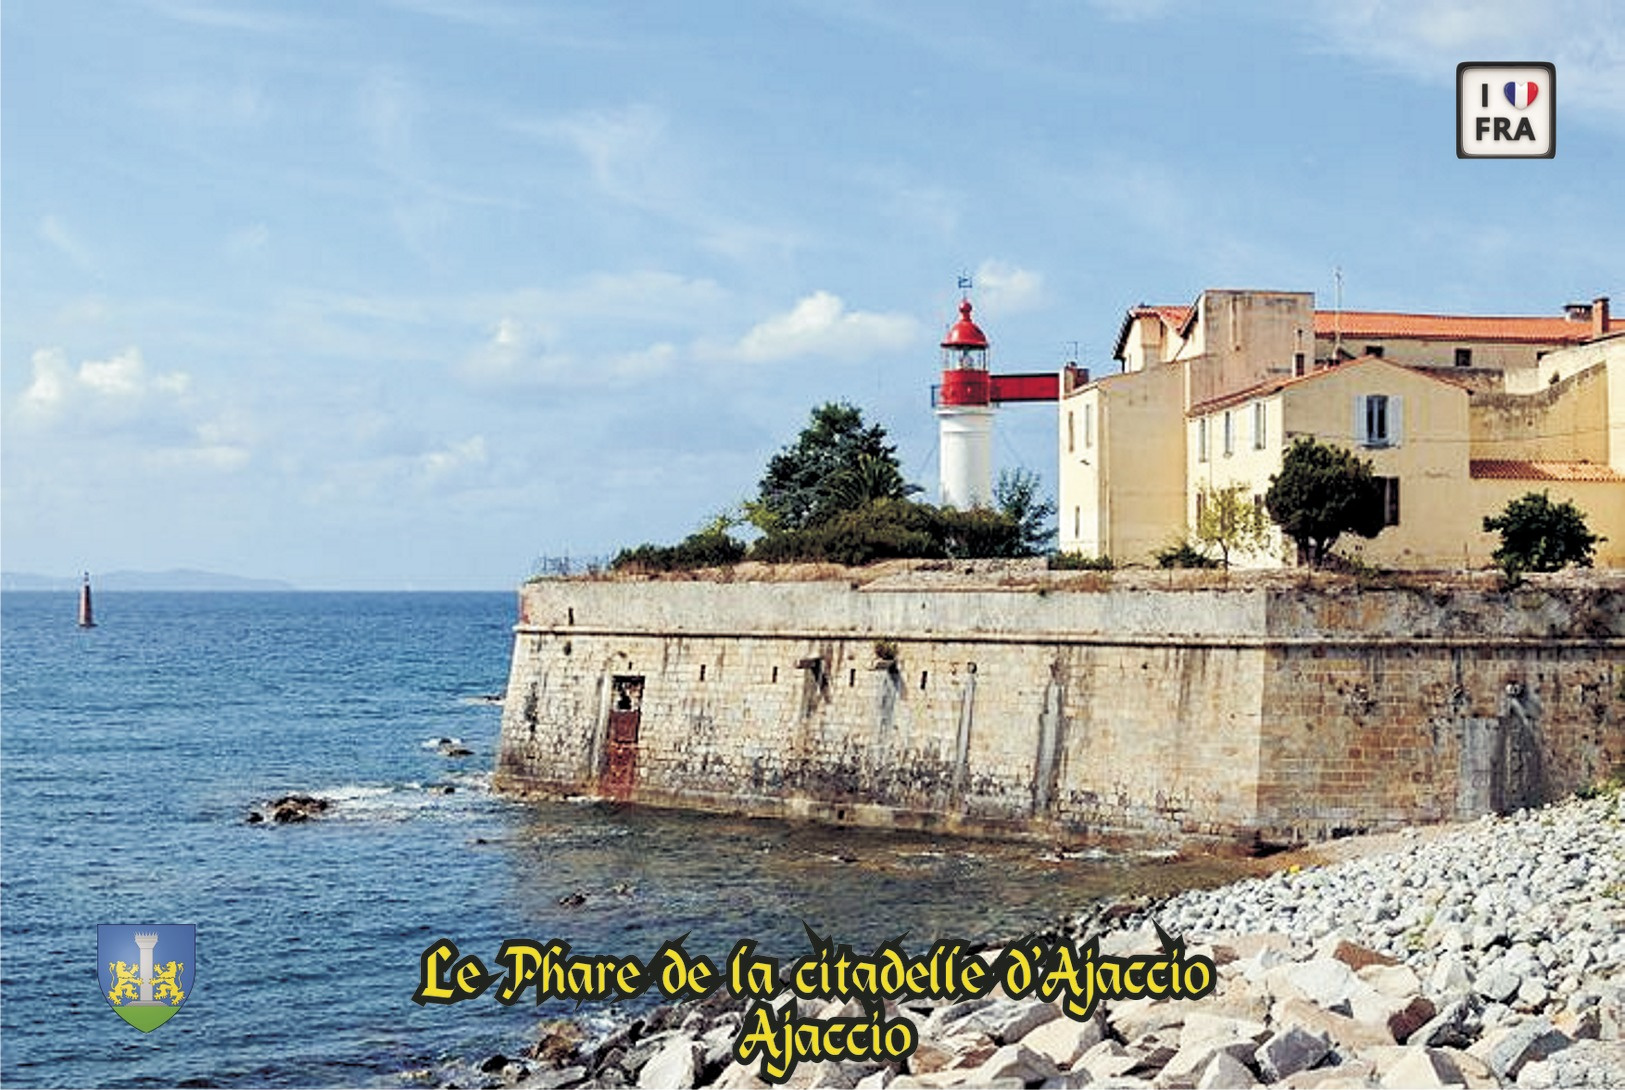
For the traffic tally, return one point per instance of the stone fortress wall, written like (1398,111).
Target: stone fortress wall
(1261,710)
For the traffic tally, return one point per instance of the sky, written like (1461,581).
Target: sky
(414,294)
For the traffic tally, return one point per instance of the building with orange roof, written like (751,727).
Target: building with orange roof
(1456,414)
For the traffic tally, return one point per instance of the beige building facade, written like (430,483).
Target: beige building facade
(1457,415)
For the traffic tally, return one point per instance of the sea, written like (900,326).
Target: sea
(133,754)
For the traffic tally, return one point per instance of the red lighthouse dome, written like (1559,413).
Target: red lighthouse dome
(965,381)
(965,333)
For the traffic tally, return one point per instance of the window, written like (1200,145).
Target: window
(1258,508)
(1297,364)
(1088,426)
(1260,425)
(1077,522)
(1201,505)
(1229,435)
(1376,420)
(1390,500)
(1374,350)
(1069,446)
(1464,357)
(1201,440)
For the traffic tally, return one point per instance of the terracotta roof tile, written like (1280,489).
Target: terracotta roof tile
(1454,327)
(1239,397)
(1265,389)
(1172,317)
(1382,323)
(1512,469)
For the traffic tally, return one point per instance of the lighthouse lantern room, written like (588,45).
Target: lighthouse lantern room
(965,416)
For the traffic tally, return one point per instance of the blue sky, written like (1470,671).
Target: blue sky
(409,293)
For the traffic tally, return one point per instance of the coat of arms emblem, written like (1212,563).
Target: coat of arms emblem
(146,970)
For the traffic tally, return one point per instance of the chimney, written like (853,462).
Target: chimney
(1599,317)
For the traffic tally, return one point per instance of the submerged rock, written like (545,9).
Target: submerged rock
(290,809)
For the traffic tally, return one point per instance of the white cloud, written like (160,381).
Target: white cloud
(622,147)
(1003,288)
(117,419)
(436,465)
(120,376)
(217,457)
(603,330)
(820,325)
(644,363)
(52,377)
(118,384)
(362,477)
(1426,39)
(117,410)
(518,353)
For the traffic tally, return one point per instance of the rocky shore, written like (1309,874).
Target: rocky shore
(1485,955)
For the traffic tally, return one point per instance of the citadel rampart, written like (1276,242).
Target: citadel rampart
(1265,710)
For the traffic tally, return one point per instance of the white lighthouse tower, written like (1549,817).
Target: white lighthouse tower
(965,416)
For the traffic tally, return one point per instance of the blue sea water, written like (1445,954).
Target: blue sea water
(131,754)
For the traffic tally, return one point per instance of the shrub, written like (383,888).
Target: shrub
(709,548)
(883,530)
(1184,555)
(1539,535)
(979,532)
(894,529)
(1079,562)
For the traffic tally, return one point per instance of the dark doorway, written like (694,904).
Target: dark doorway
(625,716)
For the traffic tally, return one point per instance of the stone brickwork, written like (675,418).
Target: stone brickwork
(1257,710)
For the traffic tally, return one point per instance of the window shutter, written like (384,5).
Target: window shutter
(1396,430)
(1360,434)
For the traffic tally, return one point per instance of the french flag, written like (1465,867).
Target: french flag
(1521,94)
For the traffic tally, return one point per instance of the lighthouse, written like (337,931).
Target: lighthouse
(965,403)
(965,416)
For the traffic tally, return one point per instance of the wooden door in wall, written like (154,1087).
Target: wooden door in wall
(625,716)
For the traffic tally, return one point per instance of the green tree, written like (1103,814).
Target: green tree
(1228,520)
(1539,535)
(1019,498)
(869,477)
(1321,493)
(838,463)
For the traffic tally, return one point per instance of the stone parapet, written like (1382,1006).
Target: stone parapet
(1251,711)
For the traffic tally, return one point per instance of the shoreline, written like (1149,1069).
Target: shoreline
(1487,953)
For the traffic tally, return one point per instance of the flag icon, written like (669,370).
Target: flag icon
(1521,94)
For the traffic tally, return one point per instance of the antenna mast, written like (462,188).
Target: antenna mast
(1337,316)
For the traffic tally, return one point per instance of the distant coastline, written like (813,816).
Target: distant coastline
(177,579)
